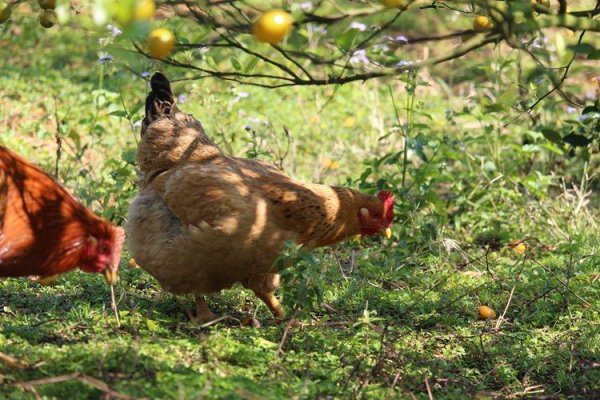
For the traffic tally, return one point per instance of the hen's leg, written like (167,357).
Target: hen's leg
(271,301)
(203,313)
(264,287)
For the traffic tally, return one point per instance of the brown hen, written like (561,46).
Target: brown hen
(44,231)
(204,220)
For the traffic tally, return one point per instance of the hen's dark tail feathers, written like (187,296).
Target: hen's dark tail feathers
(160,101)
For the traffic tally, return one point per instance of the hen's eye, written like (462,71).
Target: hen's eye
(103,248)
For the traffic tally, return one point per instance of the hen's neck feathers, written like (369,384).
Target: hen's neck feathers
(171,141)
(341,207)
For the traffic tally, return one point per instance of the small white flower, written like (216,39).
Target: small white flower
(399,38)
(359,57)
(114,31)
(358,26)
(317,29)
(381,47)
(243,95)
(537,44)
(145,74)
(182,98)
(402,63)
(306,6)
(571,110)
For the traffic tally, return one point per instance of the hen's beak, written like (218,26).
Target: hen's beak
(387,233)
(112,275)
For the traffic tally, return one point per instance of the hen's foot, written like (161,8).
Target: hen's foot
(44,280)
(203,313)
(12,362)
(251,322)
(292,323)
(271,301)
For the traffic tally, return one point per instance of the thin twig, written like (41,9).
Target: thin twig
(499,321)
(291,322)
(113,304)
(584,301)
(57,138)
(96,383)
(428,389)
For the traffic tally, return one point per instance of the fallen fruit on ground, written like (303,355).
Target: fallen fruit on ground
(486,312)
(518,247)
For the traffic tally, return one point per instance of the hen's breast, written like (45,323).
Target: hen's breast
(195,258)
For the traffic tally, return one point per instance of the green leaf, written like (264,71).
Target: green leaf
(346,40)
(494,107)
(590,109)
(582,48)
(251,64)
(120,114)
(236,64)
(152,326)
(576,140)
(552,135)
(536,73)
(594,55)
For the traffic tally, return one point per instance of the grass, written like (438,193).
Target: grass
(399,318)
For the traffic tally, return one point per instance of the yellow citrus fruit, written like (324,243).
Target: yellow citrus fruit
(518,246)
(161,42)
(47,4)
(273,26)
(5,14)
(482,23)
(144,10)
(401,4)
(47,18)
(486,312)
(348,122)
(330,164)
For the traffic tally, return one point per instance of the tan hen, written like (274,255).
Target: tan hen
(204,220)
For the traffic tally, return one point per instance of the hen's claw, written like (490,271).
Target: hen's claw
(44,280)
(203,313)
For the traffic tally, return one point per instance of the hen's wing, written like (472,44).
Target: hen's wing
(209,195)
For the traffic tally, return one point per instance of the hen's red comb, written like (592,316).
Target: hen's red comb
(387,198)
